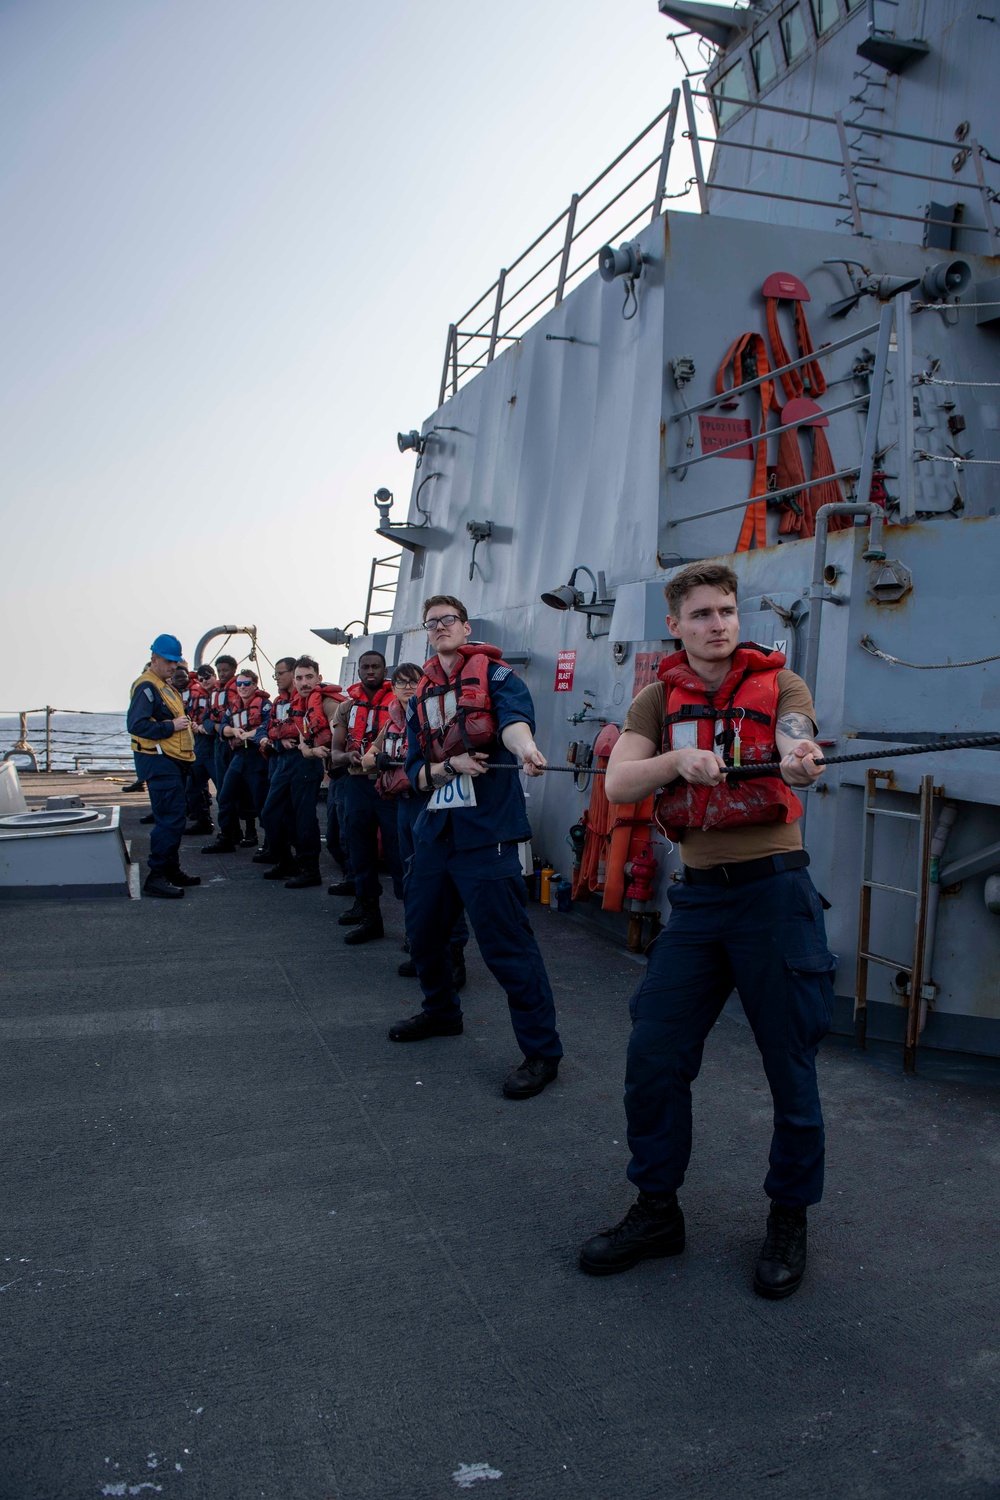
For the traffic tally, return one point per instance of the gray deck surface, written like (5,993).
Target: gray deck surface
(252,1249)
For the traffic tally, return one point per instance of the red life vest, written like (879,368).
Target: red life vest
(746,704)
(220,698)
(395,782)
(456,714)
(309,716)
(250,713)
(195,701)
(281,725)
(368,716)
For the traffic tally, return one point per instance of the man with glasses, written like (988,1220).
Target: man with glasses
(469,711)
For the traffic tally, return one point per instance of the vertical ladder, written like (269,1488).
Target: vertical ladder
(388,585)
(915,968)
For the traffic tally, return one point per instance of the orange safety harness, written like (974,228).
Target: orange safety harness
(613,833)
(394,782)
(747,357)
(802,386)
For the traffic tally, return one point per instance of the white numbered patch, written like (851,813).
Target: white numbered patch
(453,795)
(684,735)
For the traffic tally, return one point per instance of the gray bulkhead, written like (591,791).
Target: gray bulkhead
(574,451)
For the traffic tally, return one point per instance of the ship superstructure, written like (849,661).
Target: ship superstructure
(842,196)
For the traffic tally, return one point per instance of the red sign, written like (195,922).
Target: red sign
(719,432)
(565,668)
(646,663)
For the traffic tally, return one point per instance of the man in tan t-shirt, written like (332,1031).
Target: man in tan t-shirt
(745,916)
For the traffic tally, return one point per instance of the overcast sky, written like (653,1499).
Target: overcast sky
(234,234)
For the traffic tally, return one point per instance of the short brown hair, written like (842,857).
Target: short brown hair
(456,604)
(307,661)
(247,672)
(699,575)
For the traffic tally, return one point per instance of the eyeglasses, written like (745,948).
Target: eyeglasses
(244,682)
(441,622)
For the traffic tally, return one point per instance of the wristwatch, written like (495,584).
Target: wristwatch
(446,765)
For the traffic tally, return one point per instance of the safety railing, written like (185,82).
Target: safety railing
(635,184)
(64,748)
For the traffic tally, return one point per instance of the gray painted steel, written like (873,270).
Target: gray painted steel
(574,452)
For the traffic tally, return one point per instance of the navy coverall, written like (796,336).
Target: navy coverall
(150,718)
(366,815)
(409,810)
(246,779)
(336,822)
(766,939)
(289,813)
(471,858)
(199,799)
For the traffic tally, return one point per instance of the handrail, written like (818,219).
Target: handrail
(485,324)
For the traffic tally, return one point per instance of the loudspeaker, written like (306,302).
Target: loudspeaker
(947,279)
(625,261)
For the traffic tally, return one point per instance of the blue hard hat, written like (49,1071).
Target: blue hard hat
(167,646)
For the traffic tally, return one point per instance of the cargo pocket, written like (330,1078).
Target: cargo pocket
(810,998)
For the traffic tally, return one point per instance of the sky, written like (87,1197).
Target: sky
(233,236)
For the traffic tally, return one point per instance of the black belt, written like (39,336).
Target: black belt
(751,869)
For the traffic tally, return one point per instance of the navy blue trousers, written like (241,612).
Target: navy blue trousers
(166,784)
(222,755)
(199,801)
(366,815)
(336,837)
(289,813)
(409,811)
(245,787)
(489,884)
(766,940)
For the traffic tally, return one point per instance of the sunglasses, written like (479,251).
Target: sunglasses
(441,622)
(244,682)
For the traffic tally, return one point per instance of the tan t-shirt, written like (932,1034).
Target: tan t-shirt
(725,846)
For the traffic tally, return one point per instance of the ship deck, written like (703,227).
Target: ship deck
(252,1249)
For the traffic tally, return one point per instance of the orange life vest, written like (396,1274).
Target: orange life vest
(394,782)
(309,717)
(195,700)
(281,725)
(220,698)
(369,714)
(743,708)
(250,714)
(456,714)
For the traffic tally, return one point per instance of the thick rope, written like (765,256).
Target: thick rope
(965,742)
(867,644)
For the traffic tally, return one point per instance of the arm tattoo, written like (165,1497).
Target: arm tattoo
(796,726)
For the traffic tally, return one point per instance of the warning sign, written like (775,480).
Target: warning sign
(565,670)
(646,663)
(719,432)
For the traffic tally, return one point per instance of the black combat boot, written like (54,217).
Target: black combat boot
(352,916)
(135,786)
(264,857)
(781,1263)
(220,845)
(149,818)
(370,927)
(200,825)
(176,876)
(457,955)
(282,869)
(652,1227)
(530,1078)
(308,875)
(249,839)
(421,1026)
(161,885)
(407,969)
(341,888)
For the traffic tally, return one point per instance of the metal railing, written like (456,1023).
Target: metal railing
(75,746)
(565,250)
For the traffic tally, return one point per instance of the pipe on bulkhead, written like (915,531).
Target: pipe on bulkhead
(210,635)
(939,843)
(818,589)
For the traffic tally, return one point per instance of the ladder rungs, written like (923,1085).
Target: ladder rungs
(876,885)
(886,812)
(888,963)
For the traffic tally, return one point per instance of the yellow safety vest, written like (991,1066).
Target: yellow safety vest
(180,744)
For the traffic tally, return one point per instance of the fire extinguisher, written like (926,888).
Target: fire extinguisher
(641,870)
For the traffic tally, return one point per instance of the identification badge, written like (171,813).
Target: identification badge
(453,795)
